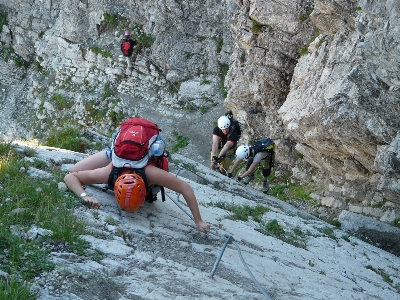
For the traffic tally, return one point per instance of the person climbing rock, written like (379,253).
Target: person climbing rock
(262,151)
(224,141)
(127,46)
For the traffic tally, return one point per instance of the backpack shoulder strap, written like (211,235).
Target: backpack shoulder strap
(116,172)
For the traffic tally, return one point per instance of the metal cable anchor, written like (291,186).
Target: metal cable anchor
(228,241)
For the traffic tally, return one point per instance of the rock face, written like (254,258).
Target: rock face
(156,252)
(70,51)
(340,108)
(320,77)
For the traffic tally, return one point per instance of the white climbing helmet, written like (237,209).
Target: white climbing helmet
(223,122)
(243,152)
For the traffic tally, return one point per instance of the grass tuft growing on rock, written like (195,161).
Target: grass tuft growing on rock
(28,204)
(242,212)
(180,141)
(67,138)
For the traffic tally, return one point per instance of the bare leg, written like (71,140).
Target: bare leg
(94,161)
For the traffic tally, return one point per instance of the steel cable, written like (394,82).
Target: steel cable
(228,239)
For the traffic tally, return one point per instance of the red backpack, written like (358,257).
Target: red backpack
(126,47)
(136,144)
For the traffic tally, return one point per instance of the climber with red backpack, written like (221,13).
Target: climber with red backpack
(132,167)
(127,46)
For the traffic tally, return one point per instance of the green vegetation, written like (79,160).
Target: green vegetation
(296,237)
(306,15)
(144,40)
(304,50)
(205,81)
(358,8)
(67,138)
(12,288)
(94,113)
(172,89)
(286,192)
(329,232)
(180,142)
(38,67)
(36,203)
(378,204)
(19,61)
(203,109)
(187,166)
(61,102)
(223,72)
(98,109)
(190,107)
(242,212)
(97,50)
(111,221)
(385,277)
(335,223)
(219,42)
(3,20)
(107,92)
(111,20)
(242,57)
(256,27)
(116,118)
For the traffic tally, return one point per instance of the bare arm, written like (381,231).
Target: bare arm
(228,145)
(253,166)
(214,146)
(91,162)
(236,164)
(163,178)
(75,180)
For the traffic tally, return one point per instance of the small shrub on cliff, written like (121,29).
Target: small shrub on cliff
(3,20)
(146,40)
(97,50)
(219,42)
(61,102)
(306,15)
(67,138)
(256,28)
(111,19)
(242,212)
(180,141)
(19,61)
(223,72)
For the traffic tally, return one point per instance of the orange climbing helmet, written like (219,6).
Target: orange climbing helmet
(130,191)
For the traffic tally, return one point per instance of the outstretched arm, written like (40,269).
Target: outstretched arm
(163,178)
(75,180)
(236,164)
(251,169)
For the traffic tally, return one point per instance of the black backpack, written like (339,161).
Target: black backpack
(263,145)
(235,125)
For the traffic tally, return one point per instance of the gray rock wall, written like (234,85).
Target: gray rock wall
(324,79)
(176,79)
